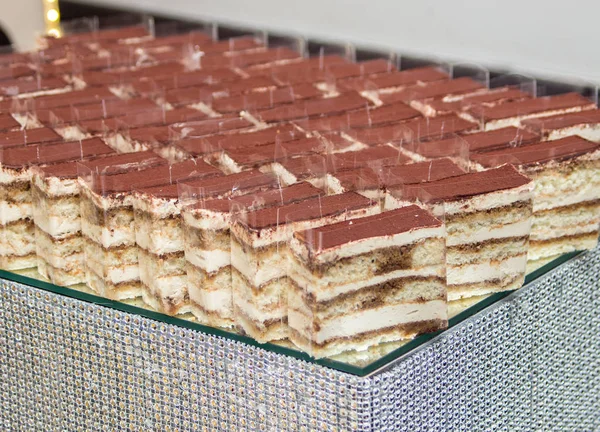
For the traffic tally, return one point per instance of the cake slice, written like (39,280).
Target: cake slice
(513,113)
(17,231)
(259,250)
(208,249)
(566,203)
(161,236)
(584,124)
(107,219)
(358,283)
(488,221)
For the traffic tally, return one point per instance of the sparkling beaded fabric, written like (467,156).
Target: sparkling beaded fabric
(529,362)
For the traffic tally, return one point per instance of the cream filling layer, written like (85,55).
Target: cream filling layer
(56,226)
(159,242)
(324,293)
(216,301)
(10,212)
(259,273)
(517,229)
(208,260)
(474,273)
(502,198)
(55,187)
(124,235)
(369,320)
(260,315)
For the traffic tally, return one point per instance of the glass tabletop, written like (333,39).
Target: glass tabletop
(357,363)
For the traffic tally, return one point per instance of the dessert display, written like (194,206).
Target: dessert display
(317,201)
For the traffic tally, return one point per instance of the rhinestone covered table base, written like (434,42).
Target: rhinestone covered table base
(529,362)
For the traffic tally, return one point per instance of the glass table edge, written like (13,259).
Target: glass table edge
(363,371)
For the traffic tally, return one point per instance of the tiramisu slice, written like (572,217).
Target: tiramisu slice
(370,280)
(107,220)
(511,114)
(159,237)
(488,220)
(584,124)
(259,257)
(566,203)
(17,233)
(209,262)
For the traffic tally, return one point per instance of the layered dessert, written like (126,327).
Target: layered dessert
(366,281)
(566,202)
(259,254)
(159,236)
(209,260)
(17,231)
(107,220)
(488,218)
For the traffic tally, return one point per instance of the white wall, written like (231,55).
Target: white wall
(22,21)
(554,38)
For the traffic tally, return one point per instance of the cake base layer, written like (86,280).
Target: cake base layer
(60,276)
(363,341)
(457,292)
(126,290)
(540,249)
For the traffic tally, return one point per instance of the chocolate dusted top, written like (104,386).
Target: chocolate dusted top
(265,99)
(211,126)
(28,136)
(24,86)
(143,119)
(386,224)
(382,155)
(297,67)
(561,121)
(419,172)
(53,153)
(184,80)
(8,122)
(121,163)
(243,59)
(534,154)
(531,106)
(477,142)
(417,129)
(146,177)
(314,208)
(489,98)
(239,139)
(434,90)
(150,135)
(231,45)
(359,179)
(467,185)
(332,71)
(261,155)
(77,97)
(314,107)
(186,96)
(393,79)
(361,118)
(97,110)
(254,201)
(227,185)
(15,71)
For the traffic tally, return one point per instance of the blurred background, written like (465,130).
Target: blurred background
(530,36)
